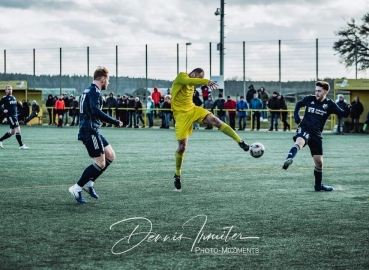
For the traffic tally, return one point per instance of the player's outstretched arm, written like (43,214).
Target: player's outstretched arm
(342,113)
(97,112)
(184,79)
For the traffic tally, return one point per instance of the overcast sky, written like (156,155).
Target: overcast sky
(75,24)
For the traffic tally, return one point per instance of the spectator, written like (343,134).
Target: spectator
(167,113)
(66,110)
(168,92)
(149,106)
(341,102)
(284,113)
(208,104)
(250,93)
(230,105)
(138,108)
(156,96)
(50,102)
(74,110)
(118,113)
(256,105)
(219,104)
(25,111)
(35,111)
(104,108)
(264,96)
(131,112)
(124,114)
(60,108)
(274,105)
(365,124)
(205,92)
(197,101)
(241,110)
(56,119)
(356,110)
(20,112)
(111,103)
(161,112)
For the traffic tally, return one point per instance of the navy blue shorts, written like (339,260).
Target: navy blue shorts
(314,142)
(12,121)
(95,145)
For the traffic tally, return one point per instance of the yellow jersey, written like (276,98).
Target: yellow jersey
(182,92)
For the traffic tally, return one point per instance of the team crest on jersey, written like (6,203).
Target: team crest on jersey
(325,106)
(312,102)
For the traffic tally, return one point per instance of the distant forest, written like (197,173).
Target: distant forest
(128,85)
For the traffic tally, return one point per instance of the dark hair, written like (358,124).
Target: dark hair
(323,84)
(197,71)
(100,72)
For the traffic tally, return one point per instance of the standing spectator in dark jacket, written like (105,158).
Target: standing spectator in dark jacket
(161,112)
(67,105)
(241,110)
(230,105)
(118,113)
(138,108)
(49,104)
(250,93)
(256,105)
(341,102)
(274,106)
(284,113)
(167,112)
(219,104)
(74,110)
(264,96)
(111,103)
(35,111)
(124,114)
(131,112)
(356,110)
(25,109)
(156,96)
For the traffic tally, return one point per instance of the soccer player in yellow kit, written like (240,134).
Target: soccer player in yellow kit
(185,113)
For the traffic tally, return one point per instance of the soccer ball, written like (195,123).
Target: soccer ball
(257,150)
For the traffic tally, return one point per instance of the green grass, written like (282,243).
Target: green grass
(42,227)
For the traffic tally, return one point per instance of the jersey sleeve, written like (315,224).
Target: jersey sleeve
(96,111)
(184,79)
(299,105)
(338,111)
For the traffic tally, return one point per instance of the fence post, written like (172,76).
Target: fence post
(210,57)
(60,76)
(88,65)
(244,70)
(34,68)
(116,67)
(146,66)
(4,65)
(317,58)
(280,66)
(177,58)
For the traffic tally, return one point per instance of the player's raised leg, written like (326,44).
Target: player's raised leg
(211,120)
(318,174)
(299,143)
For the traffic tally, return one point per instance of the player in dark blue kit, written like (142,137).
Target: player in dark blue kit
(10,109)
(309,131)
(89,133)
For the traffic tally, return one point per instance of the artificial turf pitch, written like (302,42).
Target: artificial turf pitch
(225,191)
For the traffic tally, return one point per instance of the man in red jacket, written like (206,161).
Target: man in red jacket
(230,105)
(60,108)
(156,96)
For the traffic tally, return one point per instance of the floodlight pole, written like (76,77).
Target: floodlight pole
(221,49)
(187,44)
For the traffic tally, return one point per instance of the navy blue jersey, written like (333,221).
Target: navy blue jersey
(317,113)
(10,104)
(91,113)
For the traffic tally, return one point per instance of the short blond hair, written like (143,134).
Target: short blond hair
(100,72)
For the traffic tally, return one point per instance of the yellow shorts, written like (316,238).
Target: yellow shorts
(185,120)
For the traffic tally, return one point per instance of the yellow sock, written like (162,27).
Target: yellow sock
(227,130)
(179,161)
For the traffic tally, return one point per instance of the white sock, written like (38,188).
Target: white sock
(77,188)
(89,184)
